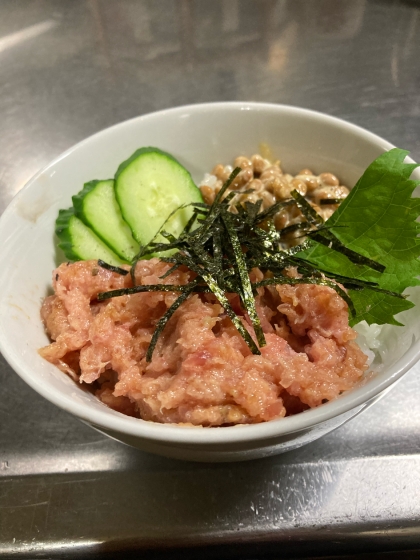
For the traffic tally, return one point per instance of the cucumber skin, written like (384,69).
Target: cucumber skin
(142,151)
(147,150)
(66,243)
(62,232)
(78,199)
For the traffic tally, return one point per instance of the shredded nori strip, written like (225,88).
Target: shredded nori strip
(246,291)
(327,201)
(310,213)
(333,243)
(304,226)
(222,243)
(192,286)
(161,324)
(112,268)
(272,210)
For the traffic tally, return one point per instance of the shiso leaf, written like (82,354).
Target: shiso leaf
(378,219)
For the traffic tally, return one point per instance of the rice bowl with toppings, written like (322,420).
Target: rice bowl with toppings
(247,124)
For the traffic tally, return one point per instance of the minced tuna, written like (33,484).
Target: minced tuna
(202,371)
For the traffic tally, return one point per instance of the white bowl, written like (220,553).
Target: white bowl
(199,136)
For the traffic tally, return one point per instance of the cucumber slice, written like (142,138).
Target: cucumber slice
(97,207)
(149,186)
(79,242)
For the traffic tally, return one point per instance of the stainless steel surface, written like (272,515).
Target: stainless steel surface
(71,68)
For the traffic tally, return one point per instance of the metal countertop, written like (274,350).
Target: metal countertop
(69,68)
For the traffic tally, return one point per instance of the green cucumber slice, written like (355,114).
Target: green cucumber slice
(149,186)
(97,207)
(79,242)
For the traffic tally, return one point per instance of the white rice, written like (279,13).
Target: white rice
(209,180)
(388,343)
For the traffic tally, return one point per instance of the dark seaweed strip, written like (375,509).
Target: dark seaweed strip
(228,198)
(190,223)
(133,271)
(215,207)
(144,248)
(175,259)
(310,214)
(354,283)
(332,242)
(187,261)
(202,205)
(159,231)
(169,272)
(305,226)
(217,246)
(204,258)
(309,273)
(239,205)
(201,235)
(283,280)
(252,210)
(270,259)
(297,249)
(268,263)
(220,294)
(225,186)
(181,207)
(272,210)
(161,324)
(199,208)
(191,286)
(267,237)
(307,268)
(112,268)
(155,246)
(160,247)
(204,231)
(227,248)
(326,201)
(167,235)
(247,294)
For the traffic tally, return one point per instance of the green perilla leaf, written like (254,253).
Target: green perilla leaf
(378,219)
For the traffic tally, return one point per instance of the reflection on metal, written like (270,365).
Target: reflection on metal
(24,35)
(279,50)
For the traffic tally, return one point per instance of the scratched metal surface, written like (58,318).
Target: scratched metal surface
(71,68)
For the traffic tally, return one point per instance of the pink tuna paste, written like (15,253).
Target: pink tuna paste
(202,372)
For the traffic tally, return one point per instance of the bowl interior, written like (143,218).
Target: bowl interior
(199,136)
